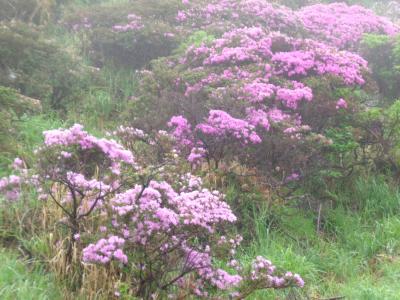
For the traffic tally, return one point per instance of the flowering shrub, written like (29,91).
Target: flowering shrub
(338,24)
(169,239)
(213,138)
(219,15)
(164,232)
(79,172)
(343,25)
(250,95)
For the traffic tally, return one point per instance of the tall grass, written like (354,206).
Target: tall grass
(357,255)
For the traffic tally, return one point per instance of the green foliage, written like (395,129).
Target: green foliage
(383,53)
(133,48)
(20,136)
(196,39)
(342,139)
(379,138)
(14,109)
(38,68)
(19,281)
(31,11)
(111,91)
(375,41)
(355,256)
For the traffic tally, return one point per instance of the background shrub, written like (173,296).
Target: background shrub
(37,67)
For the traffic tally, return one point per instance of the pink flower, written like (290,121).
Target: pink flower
(341,103)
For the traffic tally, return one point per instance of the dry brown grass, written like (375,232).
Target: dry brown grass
(26,226)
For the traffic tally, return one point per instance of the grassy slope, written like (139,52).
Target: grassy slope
(357,256)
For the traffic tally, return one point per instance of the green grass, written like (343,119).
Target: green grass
(19,281)
(357,255)
(30,136)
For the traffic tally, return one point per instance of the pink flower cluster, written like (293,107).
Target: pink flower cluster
(77,136)
(84,24)
(221,14)
(182,131)
(209,138)
(221,125)
(339,24)
(201,262)
(341,103)
(159,208)
(342,25)
(159,229)
(10,187)
(297,59)
(169,230)
(263,271)
(145,216)
(318,59)
(267,72)
(78,181)
(105,250)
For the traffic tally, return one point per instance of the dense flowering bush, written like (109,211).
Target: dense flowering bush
(219,15)
(170,238)
(343,25)
(249,95)
(338,24)
(285,76)
(78,172)
(165,232)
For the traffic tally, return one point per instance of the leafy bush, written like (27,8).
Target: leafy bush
(242,96)
(13,107)
(26,10)
(383,55)
(163,233)
(380,140)
(128,34)
(36,67)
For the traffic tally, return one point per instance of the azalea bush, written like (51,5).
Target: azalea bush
(250,99)
(249,95)
(166,234)
(342,25)
(266,88)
